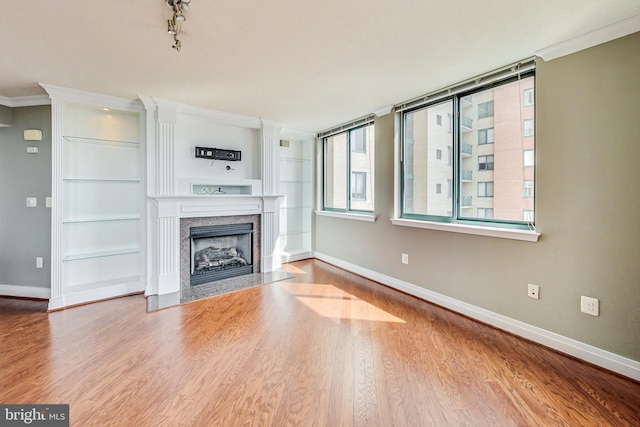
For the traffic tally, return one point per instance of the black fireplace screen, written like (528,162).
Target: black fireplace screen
(220,252)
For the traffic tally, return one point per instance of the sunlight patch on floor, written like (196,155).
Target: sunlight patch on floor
(290,268)
(331,302)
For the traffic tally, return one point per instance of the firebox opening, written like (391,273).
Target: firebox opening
(220,252)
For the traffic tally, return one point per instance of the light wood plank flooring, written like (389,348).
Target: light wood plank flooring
(325,348)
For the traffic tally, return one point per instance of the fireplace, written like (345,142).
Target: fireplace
(220,246)
(220,252)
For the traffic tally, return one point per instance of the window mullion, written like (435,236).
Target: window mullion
(325,173)
(457,184)
(349,183)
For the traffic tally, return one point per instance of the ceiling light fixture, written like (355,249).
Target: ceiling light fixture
(179,7)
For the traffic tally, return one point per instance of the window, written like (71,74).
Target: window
(485,163)
(438,154)
(485,109)
(529,158)
(485,136)
(424,169)
(358,141)
(527,97)
(485,189)
(439,120)
(527,189)
(528,127)
(485,213)
(349,170)
(499,192)
(358,185)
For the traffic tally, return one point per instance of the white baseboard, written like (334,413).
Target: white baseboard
(295,256)
(25,291)
(95,295)
(605,359)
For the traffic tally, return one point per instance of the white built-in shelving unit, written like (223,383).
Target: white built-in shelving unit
(101,205)
(99,209)
(296,206)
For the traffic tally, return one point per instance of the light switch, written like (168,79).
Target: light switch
(47,202)
(32,202)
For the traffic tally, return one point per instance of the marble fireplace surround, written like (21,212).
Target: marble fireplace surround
(169,213)
(186,290)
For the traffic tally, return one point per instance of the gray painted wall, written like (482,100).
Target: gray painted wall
(588,211)
(25,233)
(6,116)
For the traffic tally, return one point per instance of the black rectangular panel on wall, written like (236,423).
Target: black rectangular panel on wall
(217,154)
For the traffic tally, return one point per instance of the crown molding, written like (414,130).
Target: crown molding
(96,99)
(296,134)
(594,38)
(25,101)
(221,117)
(383,111)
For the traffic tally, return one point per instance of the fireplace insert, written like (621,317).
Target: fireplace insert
(220,252)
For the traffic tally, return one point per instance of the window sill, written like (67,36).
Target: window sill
(503,233)
(356,216)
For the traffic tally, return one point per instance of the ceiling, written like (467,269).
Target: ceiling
(308,65)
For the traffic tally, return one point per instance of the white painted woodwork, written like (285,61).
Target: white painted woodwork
(98,219)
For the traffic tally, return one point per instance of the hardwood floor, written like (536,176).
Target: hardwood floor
(325,348)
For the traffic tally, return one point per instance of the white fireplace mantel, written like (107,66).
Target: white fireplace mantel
(219,205)
(167,211)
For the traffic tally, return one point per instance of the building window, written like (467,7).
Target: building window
(439,120)
(495,195)
(358,185)
(528,127)
(438,154)
(485,189)
(348,165)
(527,97)
(486,213)
(527,189)
(485,163)
(358,140)
(485,136)
(485,109)
(529,158)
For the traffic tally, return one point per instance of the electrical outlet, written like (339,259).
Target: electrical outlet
(533,291)
(32,202)
(38,262)
(405,258)
(590,305)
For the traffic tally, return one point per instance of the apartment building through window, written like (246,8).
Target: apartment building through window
(491,172)
(348,166)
